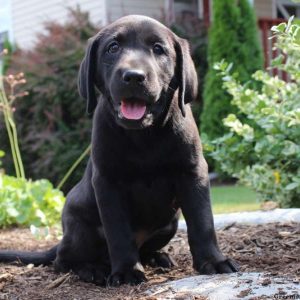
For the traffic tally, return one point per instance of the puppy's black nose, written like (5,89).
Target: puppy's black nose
(134,76)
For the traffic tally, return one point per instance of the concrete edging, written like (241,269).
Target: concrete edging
(280,215)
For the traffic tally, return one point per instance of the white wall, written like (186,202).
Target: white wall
(264,8)
(28,16)
(119,8)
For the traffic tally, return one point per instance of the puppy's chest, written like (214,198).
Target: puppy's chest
(152,202)
(134,165)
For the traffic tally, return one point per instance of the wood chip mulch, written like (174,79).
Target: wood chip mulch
(272,248)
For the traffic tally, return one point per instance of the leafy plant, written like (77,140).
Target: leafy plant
(25,202)
(264,152)
(233,36)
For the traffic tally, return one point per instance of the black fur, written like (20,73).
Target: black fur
(141,172)
(36,258)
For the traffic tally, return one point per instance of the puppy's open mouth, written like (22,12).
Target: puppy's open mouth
(133,109)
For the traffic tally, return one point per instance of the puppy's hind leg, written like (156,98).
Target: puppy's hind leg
(86,255)
(83,248)
(149,252)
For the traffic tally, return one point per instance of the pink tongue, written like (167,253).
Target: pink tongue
(133,111)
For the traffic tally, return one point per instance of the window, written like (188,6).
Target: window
(188,16)
(190,7)
(287,8)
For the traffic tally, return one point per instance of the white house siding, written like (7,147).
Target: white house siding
(264,8)
(28,16)
(118,8)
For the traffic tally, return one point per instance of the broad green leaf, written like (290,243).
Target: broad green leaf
(279,28)
(12,212)
(292,186)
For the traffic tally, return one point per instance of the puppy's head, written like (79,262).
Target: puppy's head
(137,64)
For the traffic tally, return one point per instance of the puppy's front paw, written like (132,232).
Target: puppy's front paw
(210,267)
(132,276)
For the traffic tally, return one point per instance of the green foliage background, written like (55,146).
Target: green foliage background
(53,126)
(263,151)
(233,36)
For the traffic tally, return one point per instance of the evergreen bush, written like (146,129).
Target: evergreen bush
(233,36)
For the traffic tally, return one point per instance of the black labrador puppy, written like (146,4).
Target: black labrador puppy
(146,162)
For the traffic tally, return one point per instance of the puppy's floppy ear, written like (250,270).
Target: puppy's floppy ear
(86,76)
(185,73)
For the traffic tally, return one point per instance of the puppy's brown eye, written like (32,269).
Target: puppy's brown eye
(113,47)
(158,49)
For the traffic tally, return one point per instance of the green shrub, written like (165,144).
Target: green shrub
(233,36)
(265,153)
(29,202)
(53,126)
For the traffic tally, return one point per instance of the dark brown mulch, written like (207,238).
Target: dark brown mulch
(273,248)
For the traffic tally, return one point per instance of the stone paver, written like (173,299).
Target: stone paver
(228,287)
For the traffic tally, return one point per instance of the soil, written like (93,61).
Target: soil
(272,248)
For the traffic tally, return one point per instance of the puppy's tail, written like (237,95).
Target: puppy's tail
(36,258)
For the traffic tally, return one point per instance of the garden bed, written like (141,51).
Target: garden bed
(271,248)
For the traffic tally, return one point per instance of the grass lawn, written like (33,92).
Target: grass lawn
(233,198)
